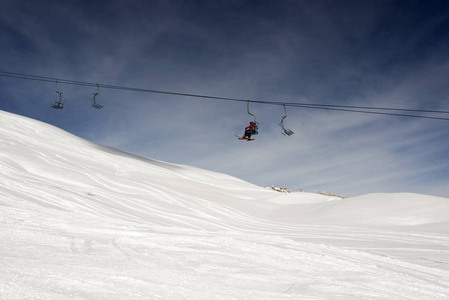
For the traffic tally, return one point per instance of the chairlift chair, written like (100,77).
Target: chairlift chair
(59,102)
(285,131)
(254,130)
(94,103)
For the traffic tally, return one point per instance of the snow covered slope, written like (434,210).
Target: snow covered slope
(84,221)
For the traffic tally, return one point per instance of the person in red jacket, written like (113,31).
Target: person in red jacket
(251,129)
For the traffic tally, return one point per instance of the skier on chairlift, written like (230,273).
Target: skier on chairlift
(251,129)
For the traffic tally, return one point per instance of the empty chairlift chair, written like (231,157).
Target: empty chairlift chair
(285,131)
(94,103)
(59,102)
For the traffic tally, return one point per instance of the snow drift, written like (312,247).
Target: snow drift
(83,221)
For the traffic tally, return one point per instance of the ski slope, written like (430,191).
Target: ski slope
(83,221)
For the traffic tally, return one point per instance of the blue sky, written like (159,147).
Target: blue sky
(364,53)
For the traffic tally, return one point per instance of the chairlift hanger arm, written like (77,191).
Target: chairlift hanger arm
(56,85)
(283,117)
(255,121)
(98,91)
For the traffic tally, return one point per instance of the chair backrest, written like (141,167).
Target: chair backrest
(256,128)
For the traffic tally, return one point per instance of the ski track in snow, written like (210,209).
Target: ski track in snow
(82,221)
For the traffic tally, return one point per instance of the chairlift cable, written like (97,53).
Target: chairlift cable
(368,107)
(346,108)
(371,112)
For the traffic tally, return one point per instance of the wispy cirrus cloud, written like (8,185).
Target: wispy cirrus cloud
(367,54)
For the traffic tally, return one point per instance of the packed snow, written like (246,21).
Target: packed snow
(83,221)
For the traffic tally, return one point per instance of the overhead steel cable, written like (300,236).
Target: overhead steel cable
(334,107)
(74,82)
(370,112)
(368,107)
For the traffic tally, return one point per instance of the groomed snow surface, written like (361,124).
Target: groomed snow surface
(83,221)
